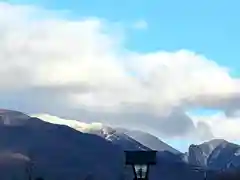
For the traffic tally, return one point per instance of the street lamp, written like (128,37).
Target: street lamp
(140,162)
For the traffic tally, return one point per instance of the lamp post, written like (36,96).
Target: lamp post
(140,162)
(29,167)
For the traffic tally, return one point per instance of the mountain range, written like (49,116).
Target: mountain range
(61,151)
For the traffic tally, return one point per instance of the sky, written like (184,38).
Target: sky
(170,67)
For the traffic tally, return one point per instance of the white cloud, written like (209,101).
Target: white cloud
(221,126)
(82,69)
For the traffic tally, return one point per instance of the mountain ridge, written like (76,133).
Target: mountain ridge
(59,150)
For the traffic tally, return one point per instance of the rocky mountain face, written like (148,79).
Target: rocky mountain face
(214,154)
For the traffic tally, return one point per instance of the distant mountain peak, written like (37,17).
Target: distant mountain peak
(215,154)
(215,142)
(209,146)
(149,140)
(12,118)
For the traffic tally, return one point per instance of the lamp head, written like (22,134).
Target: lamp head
(140,161)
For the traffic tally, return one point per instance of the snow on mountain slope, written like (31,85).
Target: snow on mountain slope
(80,126)
(128,139)
(108,133)
(121,139)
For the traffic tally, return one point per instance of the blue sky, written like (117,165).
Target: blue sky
(208,27)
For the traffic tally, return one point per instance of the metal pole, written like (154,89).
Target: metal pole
(29,170)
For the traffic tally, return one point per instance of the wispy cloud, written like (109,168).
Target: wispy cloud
(140,24)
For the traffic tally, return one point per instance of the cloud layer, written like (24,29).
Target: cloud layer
(80,69)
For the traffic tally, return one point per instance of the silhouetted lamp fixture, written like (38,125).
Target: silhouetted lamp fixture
(140,162)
